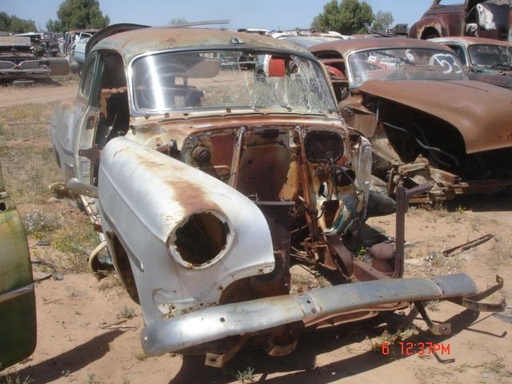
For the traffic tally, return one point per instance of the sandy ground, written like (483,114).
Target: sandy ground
(88,330)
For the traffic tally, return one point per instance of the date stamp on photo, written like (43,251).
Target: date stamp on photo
(421,348)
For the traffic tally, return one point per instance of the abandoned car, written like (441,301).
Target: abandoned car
(480,18)
(73,47)
(427,122)
(486,60)
(17,296)
(45,45)
(20,60)
(214,188)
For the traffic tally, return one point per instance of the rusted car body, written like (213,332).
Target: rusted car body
(479,18)
(224,196)
(46,43)
(17,297)
(486,60)
(19,60)
(426,120)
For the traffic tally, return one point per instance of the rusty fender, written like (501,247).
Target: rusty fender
(215,323)
(153,203)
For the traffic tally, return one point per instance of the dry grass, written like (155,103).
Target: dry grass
(27,161)
(63,234)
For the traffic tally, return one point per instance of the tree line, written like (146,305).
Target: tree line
(345,16)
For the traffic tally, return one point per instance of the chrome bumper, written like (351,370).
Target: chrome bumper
(215,323)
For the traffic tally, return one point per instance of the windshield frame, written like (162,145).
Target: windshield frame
(307,68)
(401,67)
(472,54)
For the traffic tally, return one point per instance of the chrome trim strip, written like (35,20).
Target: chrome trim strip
(16,293)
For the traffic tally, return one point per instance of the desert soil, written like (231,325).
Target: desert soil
(88,329)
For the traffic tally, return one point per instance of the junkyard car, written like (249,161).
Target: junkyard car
(17,297)
(426,120)
(212,185)
(45,45)
(19,60)
(486,60)
(480,18)
(73,47)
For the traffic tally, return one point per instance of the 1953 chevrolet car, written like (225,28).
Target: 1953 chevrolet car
(224,196)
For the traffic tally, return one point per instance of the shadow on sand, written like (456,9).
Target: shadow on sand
(300,366)
(68,362)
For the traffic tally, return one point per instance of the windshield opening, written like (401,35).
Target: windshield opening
(403,64)
(228,79)
(490,55)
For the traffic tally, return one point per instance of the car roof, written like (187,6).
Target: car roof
(308,41)
(15,41)
(138,41)
(469,40)
(345,47)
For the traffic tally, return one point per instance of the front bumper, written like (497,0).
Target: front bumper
(26,74)
(244,318)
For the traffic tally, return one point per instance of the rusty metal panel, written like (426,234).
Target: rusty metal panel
(482,18)
(487,118)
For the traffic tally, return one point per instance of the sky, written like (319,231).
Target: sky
(266,14)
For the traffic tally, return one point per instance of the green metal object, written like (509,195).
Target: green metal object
(17,298)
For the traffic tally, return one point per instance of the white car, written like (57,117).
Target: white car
(215,189)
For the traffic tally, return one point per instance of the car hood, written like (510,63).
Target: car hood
(481,112)
(499,78)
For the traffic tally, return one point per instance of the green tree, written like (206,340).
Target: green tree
(383,21)
(5,21)
(15,24)
(78,14)
(347,17)
(54,26)
(178,21)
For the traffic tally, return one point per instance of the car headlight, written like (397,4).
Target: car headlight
(200,240)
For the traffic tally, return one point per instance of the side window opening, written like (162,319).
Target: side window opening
(459,51)
(87,78)
(114,112)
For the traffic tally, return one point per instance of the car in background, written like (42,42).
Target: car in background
(479,18)
(46,45)
(73,46)
(486,60)
(302,40)
(426,120)
(223,196)
(20,61)
(306,41)
(18,331)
